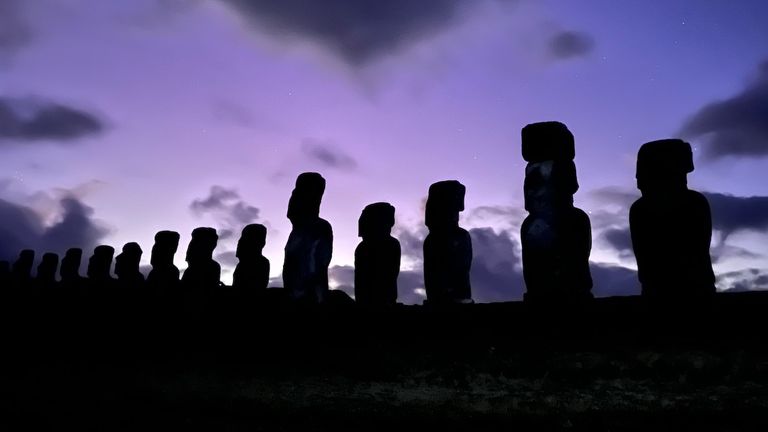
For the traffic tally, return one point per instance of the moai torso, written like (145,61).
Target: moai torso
(252,271)
(21,273)
(447,247)
(100,281)
(46,271)
(671,226)
(310,245)
(556,237)
(70,269)
(203,273)
(127,267)
(377,257)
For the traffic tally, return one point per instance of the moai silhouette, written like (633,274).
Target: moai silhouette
(310,245)
(70,269)
(127,267)
(99,266)
(556,237)
(448,247)
(164,276)
(46,271)
(21,273)
(252,271)
(377,257)
(203,274)
(671,225)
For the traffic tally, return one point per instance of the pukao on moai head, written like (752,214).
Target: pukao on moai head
(377,257)
(164,274)
(447,247)
(252,271)
(671,226)
(556,236)
(46,271)
(100,263)
(127,265)
(202,270)
(310,244)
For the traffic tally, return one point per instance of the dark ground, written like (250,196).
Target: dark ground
(228,364)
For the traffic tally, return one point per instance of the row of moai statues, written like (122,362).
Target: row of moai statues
(670,226)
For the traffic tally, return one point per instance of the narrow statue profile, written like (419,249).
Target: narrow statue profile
(447,247)
(377,257)
(252,271)
(671,225)
(310,245)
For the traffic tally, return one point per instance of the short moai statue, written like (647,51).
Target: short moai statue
(671,225)
(447,247)
(164,276)
(46,271)
(252,272)
(310,245)
(127,267)
(377,257)
(69,272)
(556,237)
(203,274)
(99,267)
(21,272)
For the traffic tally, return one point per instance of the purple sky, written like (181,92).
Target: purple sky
(138,109)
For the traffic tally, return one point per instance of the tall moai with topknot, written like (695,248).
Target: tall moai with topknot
(127,267)
(671,225)
(164,276)
(556,237)
(203,273)
(377,257)
(309,247)
(251,274)
(46,272)
(447,247)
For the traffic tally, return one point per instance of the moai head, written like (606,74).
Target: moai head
(550,176)
(444,202)
(46,271)
(127,263)
(304,204)
(663,166)
(202,245)
(166,244)
(70,264)
(252,241)
(376,221)
(22,268)
(100,262)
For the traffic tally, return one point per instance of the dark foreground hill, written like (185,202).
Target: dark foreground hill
(230,364)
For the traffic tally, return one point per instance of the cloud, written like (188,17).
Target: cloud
(32,119)
(619,239)
(228,209)
(358,31)
(15,32)
(733,213)
(496,274)
(613,280)
(570,44)
(735,126)
(743,280)
(21,228)
(327,155)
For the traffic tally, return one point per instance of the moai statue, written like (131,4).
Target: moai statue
(164,276)
(21,273)
(5,276)
(252,271)
(377,257)
(556,237)
(99,266)
(310,244)
(203,273)
(70,269)
(671,225)
(127,266)
(448,247)
(46,271)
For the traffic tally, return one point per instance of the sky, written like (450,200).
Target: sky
(120,119)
